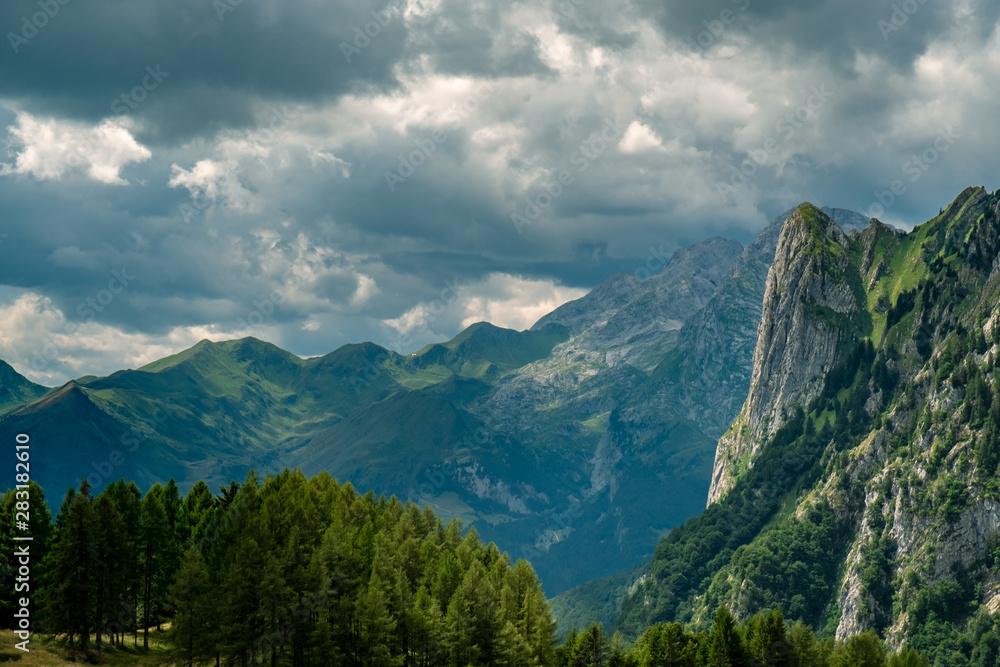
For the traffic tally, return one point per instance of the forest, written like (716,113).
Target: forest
(296,571)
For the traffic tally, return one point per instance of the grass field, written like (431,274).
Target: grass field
(48,650)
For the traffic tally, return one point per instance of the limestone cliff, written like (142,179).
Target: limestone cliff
(810,313)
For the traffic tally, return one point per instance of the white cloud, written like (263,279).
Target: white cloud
(505,300)
(638,138)
(45,346)
(213,180)
(514,302)
(366,290)
(49,149)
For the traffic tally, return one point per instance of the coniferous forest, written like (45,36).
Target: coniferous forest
(296,571)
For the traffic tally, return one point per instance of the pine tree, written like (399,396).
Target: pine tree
(192,611)
(70,568)
(725,646)
(592,648)
(109,571)
(173,549)
(376,625)
(243,615)
(766,639)
(429,628)
(196,513)
(804,650)
(128,501)
(536,625)
(153,538)
(863,650)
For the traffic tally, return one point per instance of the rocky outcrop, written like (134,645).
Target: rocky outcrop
(809,313)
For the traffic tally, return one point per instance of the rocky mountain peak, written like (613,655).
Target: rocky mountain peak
(809,312)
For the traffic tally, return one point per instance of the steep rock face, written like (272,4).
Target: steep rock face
(876,505)
(625,319)
(706,377)
(809,309)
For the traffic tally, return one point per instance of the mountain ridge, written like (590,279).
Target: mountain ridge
(873,504)
(532,436)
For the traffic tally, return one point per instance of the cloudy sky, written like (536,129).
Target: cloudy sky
(317,172)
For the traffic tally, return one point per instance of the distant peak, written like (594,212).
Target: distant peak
(964,196)
(809,210)
(815,220)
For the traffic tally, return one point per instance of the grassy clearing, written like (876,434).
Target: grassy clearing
(49,650)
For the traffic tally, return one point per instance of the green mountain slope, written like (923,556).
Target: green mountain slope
(411,425)
(858,487)
(563,443)
(487,350)
(16,390)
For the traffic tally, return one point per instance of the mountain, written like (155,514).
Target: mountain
(857,488)
(812,306)
(16,390)
(703,381)
(507,430)
(563,443)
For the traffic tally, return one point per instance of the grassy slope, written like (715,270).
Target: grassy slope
(218,408)
(16,390)
(48,650)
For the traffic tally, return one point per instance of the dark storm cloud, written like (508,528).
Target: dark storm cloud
(219,58)
(466,38)
(831,30)
(214,63)
(516,89)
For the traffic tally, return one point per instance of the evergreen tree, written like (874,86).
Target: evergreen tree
(191,603)
(376,625)
(766,639)
(863,650)
(70,591)
(295,571)
(109,571)
(725,646)
(196,513)
(128,501)
(154,533)
(592,648)
(804,650)
(243,615)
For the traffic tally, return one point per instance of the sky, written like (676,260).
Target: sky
(315,173)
